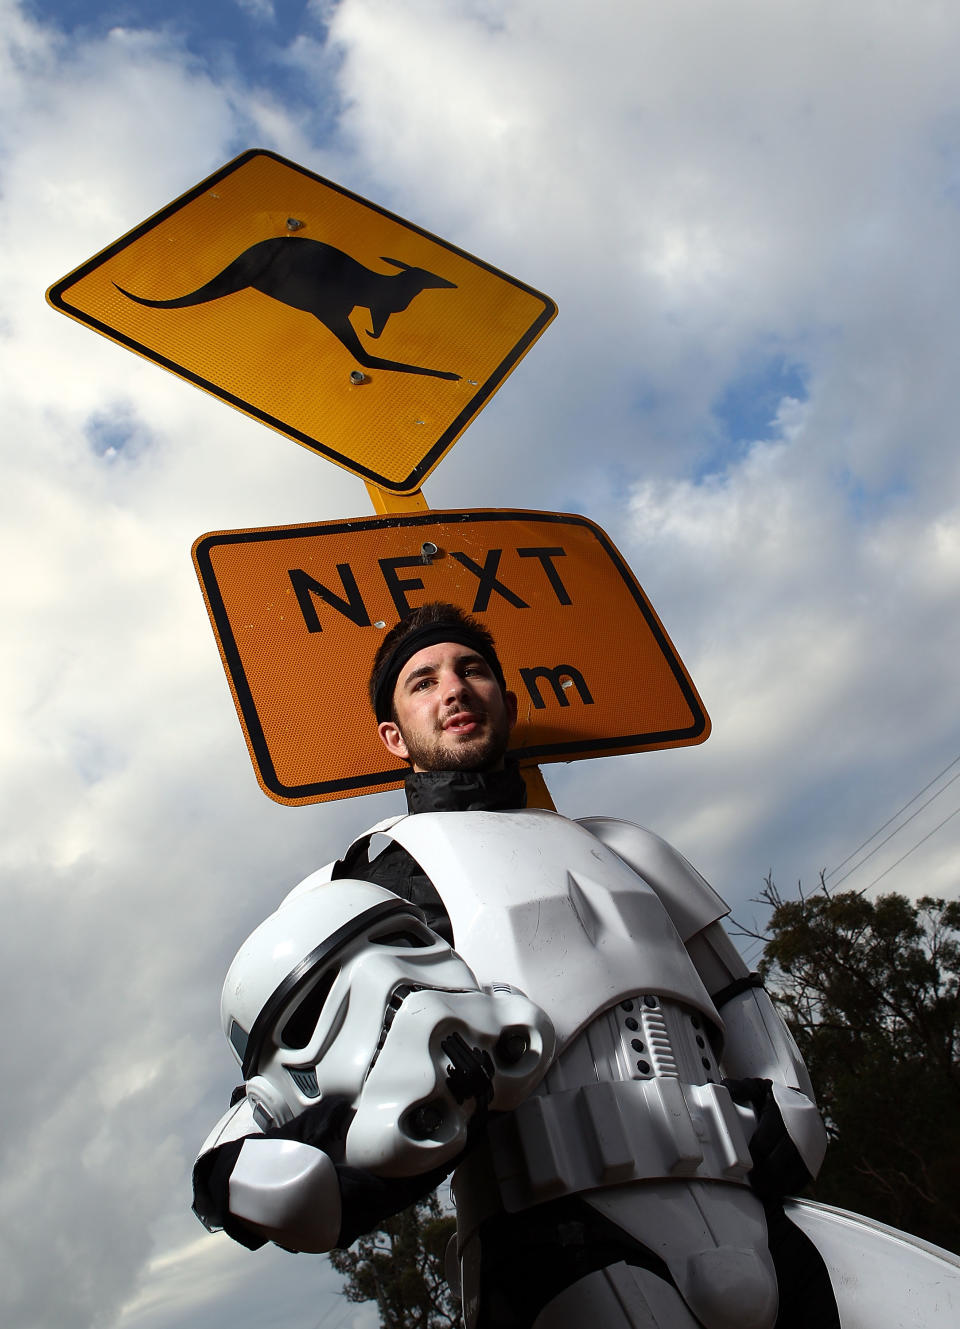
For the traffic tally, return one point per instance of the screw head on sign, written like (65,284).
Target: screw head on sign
(357,377)
(295,224)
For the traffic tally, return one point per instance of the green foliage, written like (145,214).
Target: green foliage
(400,1267)
(871,991)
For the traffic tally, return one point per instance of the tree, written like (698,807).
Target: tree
(869,989)
(401,1267)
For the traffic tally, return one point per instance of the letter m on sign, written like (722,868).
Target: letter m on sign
(553,676)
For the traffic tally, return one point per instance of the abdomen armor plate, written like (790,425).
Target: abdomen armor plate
(635,1097)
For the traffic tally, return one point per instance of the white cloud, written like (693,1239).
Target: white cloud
(706,188)
(688,184)
(261,10)
(120,751)
(702,189)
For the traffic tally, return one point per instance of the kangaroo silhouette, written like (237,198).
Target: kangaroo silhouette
(322,281)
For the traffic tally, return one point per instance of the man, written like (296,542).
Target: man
(633,1185)
(439,693)
(442,705)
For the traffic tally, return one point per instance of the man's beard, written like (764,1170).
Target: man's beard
(475,754)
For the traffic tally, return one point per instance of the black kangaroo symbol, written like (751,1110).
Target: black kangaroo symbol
(323,281)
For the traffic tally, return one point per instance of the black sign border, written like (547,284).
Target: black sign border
(202,551)
(57,297)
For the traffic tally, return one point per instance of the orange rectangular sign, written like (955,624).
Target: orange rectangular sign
(299,611)
(328,318)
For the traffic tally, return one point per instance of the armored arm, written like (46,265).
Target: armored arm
(283,1185)
(763,1067)
(287,1192)
(261,1186)
(765,1072)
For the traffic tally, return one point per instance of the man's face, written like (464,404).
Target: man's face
(450,714)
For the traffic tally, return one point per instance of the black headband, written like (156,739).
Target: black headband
(431,634)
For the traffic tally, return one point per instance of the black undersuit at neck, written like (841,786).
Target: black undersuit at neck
(466,791)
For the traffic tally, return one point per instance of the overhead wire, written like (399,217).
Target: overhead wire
(346,1309)
(880,829)
(896,830)
(936,828)
(757,943)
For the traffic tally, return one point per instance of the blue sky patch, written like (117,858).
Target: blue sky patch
(746,409)
(749,403)
(865,501)
(249,36)
(115,432)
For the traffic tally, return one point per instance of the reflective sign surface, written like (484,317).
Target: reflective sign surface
(346,328)
(299,611)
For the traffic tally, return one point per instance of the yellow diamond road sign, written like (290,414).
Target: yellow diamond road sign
(344,327)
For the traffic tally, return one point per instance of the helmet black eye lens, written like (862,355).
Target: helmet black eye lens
(299,1029)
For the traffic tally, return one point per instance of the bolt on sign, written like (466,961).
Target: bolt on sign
(299,611)
(348,329)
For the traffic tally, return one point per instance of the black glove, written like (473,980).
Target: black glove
(778,1169)
(324,1125)
(366,1199)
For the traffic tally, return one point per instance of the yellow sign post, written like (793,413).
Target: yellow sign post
(344,327)
(298,612)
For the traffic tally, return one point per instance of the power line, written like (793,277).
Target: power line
(889,820)
(757,944)
(899,828)
(909,851)
(345,1307)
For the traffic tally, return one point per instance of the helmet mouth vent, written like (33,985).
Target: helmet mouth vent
(305,1080)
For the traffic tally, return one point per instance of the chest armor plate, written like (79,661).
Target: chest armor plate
(539,903)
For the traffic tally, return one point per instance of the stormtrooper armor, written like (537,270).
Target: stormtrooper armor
(618,939)
(636,1085)
(345,993)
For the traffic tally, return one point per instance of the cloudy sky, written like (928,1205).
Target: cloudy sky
(749,216)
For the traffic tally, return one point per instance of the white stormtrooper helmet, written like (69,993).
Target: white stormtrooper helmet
(312,995)
(317,981)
